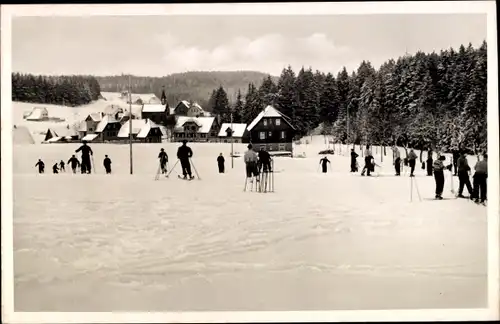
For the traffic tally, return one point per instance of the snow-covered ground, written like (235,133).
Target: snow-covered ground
(334,241)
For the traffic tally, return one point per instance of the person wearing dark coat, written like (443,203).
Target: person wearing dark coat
(396,155)
(220,163)
(368,162)
(324,164)
(61,166)
(354,155)
(184,153)
(40,165)
(55,169)
(264,160)
(438,167)
(73,161)
(86,153)
(463,170)
(480,180)
(429,163)
(163,161)
(107,164)
(412,160)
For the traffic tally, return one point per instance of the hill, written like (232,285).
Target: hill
(195,85)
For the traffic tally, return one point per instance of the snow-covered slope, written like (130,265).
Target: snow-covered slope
(321,241)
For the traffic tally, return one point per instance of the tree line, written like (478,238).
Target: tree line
(435,100)
(74,90)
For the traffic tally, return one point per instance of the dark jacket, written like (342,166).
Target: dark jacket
(184,152)
(220,159)
(107,162)
(163,156)
(74,162)
(264,156)
(462,164)
(86,150)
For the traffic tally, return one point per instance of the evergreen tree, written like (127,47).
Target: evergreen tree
(238,109)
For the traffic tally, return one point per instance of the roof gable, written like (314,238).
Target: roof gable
(205,123)
(238,129)
(269,111)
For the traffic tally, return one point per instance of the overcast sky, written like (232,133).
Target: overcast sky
(161,45)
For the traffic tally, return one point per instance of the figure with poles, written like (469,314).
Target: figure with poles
(184,153)
(250,158)
(163,160)
(86,153)
(324,164)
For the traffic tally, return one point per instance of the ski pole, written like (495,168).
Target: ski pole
(93,164)
(191,160)
(418,192)
(411,189)
(172,168)
(451,180)
(157,176)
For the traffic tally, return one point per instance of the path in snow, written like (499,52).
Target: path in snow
(321,241)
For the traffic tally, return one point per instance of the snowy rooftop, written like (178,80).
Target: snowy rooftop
(104,122)
(143,133)
(238,129)
(89,137)
(154,108)
(205,123)
(137,125)
(269,111)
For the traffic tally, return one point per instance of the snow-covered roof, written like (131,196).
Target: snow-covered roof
(154,100)
(54,139)
(172,110)
(63,131)
(137,125)
(269,111)
(185,102)
(89,137)
(238,129)
(113,110)
(205,123)
(81,126)
(107,119)
(154,108)
(38,113)
(22,135)
(143,133)
(95,116)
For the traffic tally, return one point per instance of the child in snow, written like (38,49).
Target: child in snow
(439,176)
(354,163)
(40,165)
(163,161)
(61,166)
(220,163)
(107,164)
(73,161)
(324,164)
(55,168)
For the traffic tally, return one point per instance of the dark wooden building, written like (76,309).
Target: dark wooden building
(158,113)
(272,130)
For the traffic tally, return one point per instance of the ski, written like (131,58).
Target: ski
(187,179)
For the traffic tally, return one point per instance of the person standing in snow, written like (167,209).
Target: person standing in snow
(163,160)
(396,156)
(264,160)
(251,159)
(324,164)
(55,169)
(479,180)
(40,165)
(456,156)
(412,160)
(86,153)
(354,156)
(107,164)
(368,161)
(61,166)
(184,153)
(73,161)
(463,170)
(220,163)
(429,162)
(439,176)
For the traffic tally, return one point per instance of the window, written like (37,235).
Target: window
(265,122)
(282,134)
(262,135)
(270,134)
(278,122)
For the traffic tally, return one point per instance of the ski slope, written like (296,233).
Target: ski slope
(334,241)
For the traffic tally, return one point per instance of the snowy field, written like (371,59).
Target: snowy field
(335,241)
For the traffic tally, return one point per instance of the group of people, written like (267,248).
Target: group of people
(85,166)
(184,153)
(255,163)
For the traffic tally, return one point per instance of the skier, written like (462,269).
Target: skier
(324,164)
(439,176)
(163,160)
(251,159)
(74,163)
(61,166)
(479,180)
(184,153)
(396,155)
(463,169)
(354,166)
(264,160)
(456,156)
(55,169)
(412,157)
(107,164)
(429,162)
(368,161)
(86,153)
(40,165)
(220,163)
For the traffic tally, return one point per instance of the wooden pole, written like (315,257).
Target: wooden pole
(232,141)
(130,121)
